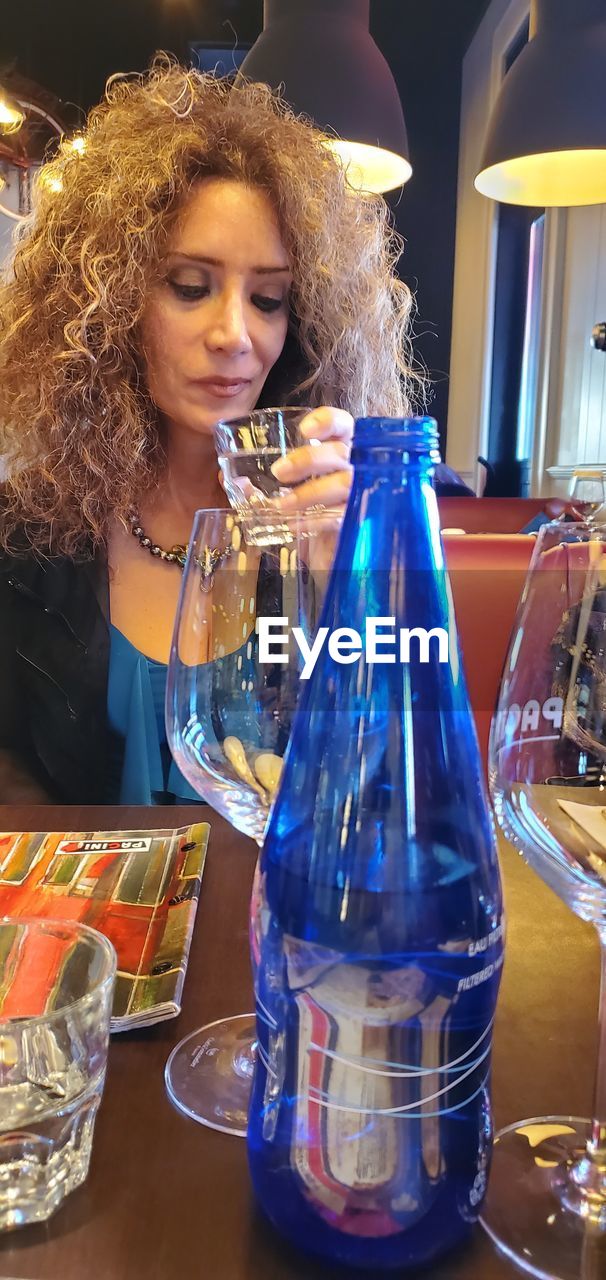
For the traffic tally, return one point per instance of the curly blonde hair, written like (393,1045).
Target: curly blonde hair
(79,434)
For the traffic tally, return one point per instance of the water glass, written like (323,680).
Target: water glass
(56,987)
(247,449)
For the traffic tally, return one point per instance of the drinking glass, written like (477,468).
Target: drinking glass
(228,719)
(247,448)
(546,1203)
(56,987)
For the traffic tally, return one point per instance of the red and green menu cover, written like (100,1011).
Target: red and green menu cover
(139,888)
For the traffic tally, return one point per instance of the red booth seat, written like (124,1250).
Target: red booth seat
(501,515)
(487,574)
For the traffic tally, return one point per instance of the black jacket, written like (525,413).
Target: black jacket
(54,657)
(54,668)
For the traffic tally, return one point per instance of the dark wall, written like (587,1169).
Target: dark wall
(72,46)
(425,52)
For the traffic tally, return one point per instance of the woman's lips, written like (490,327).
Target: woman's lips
(222,390)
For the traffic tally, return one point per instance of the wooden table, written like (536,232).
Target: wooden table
(167,1199)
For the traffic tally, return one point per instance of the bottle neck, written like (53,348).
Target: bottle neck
(392,515)
(392,446)
(390,466)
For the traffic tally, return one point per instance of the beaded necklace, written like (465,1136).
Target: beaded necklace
(178,554)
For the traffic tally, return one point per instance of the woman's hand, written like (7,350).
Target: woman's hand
(322,473)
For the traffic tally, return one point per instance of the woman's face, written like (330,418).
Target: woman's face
(216,321)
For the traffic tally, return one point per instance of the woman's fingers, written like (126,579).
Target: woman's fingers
(327,423)
(330,490)
(321,472)
(311,460)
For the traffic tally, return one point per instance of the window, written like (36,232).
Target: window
(516,326)
(501,34)
(191,865)
(90,872)
(20,859)
(532,329)
(220,59)
(63,868)
(143,877)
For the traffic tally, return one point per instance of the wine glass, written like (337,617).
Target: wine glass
(231,693)
(546,1202)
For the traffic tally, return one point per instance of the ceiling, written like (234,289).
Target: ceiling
(71,46)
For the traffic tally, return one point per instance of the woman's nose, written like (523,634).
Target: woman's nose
(228,330)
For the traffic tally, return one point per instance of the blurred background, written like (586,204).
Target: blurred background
(507,295)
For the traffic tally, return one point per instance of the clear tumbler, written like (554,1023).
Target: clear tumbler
(56,986)
(247,449)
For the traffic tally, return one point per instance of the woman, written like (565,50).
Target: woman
(192,260)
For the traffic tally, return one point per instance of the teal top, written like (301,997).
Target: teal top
(141,769)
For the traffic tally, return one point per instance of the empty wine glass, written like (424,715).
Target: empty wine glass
(546,1203)
(231,693)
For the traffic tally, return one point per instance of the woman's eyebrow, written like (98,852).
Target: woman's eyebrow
(216,262)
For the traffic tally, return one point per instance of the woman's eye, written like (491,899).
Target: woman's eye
(266,304)
(189,292)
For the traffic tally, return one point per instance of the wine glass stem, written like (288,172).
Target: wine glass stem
(581,1185)
(244,1060)
(596,1147)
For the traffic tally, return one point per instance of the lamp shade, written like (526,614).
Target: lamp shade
(320,54)
(546,140)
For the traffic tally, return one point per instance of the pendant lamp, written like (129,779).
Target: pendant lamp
(321,55)
(546,141)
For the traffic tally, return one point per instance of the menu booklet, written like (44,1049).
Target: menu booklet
(589,816)
(139,888)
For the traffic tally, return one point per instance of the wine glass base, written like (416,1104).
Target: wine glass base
(208,1075)
(524,1213)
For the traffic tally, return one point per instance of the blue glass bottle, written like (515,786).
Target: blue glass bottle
(381,913)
